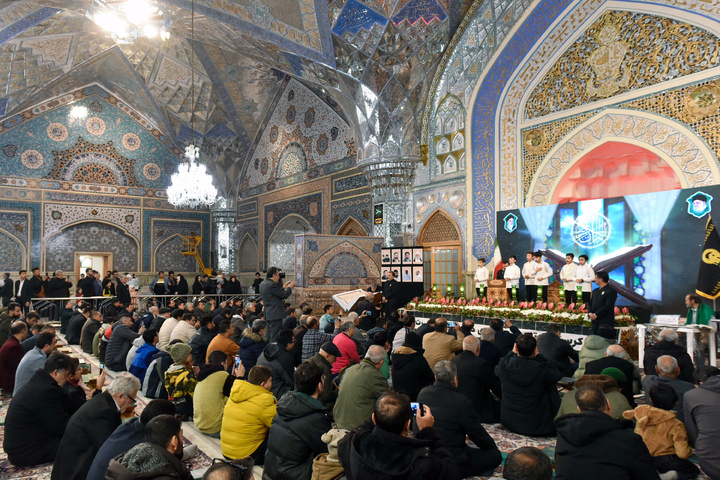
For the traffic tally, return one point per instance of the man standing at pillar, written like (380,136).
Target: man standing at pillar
(567,276)
(273,293)
(584,276)
(543,272)
(512,277)
(602,307)
(528,273)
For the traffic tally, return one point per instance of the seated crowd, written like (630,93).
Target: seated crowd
(311,396)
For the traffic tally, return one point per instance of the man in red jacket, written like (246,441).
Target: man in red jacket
(347,347)
(10,355)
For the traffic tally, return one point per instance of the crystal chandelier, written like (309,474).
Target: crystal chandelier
(192,186)
(127,20)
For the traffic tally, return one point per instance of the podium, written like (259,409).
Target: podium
(554,293)
(689,331)
(497,290)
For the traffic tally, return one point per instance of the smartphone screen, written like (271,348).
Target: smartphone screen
(237,361)
(414,406)
(102,367)
(451,324)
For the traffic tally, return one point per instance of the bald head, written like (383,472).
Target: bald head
(668,335)
(487,334)
(471,344)
(667,366)
(154,310)
(615,351)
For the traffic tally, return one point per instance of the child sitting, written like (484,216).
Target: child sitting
(664,435)
(180,380)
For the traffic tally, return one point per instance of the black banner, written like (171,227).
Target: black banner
(708,284)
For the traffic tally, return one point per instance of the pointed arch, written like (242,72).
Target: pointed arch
(14,252)
(248,255)
(439,228)
(352,228)
(168,256)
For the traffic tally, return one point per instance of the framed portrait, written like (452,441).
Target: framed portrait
(396,254)
(406,274)
(385,254)
(407,256)
(417,274)
(417,256)
(384,273)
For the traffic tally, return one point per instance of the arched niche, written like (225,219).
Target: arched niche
(352,228)
(168,256)
(248,255)
(13,255)
(439,228)
(615,169)
(281,243)
(681,149)
(94,236)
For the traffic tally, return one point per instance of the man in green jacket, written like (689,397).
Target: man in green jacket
(361,386)
(699,313)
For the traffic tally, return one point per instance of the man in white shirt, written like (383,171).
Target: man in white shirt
(567,276)
(512,277)
(528,273)
(584,276)
(481,278)
(543,272)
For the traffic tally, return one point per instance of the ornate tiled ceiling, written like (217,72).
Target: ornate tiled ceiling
(373,58)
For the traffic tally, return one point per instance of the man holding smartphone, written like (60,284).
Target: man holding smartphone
(382,448)
(273,294)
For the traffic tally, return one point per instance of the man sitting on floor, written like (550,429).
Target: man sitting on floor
(11,353)
(668,372)
(160,457)
(668,345)
(38,414)
(530,397)
(211,393)
(615,356)
(446,402)
(34,359)
(382,448)
(126,436)
(477,381)
(361,386)
(248,415)
(594,446)
(91,426)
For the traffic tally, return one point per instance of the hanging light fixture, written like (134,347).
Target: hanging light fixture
(192,186)
(127,20)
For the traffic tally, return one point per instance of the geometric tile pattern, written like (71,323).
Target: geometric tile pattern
(326,260)
(57,216)
(169,257)
(91,237)
(11,253)
(359,208)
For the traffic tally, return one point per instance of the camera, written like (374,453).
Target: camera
(451,324)
(367,313)
(282,275)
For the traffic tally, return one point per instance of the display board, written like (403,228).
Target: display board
(615,234)
(407,263)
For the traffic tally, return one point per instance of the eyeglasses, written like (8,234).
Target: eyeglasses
(134,400)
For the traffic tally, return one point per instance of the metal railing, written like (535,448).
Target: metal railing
(49,307)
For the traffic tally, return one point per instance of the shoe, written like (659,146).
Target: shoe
(189,452)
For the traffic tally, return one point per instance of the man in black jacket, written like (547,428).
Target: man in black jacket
(530,396)
(23,292)
(555,349)
(91,426)
(76,324)
(120,342)
(202,338)
(477,380)
(456,420)
(505,341)
(367,305)
(273,295)
(6,291)
(602,307)
(326,356)
(382,449)
(488,350)
(615,357)
(58,286)
(410,370)
(391,294)
(301,420)
(592,445)
(668,345)
(38,414)
(123,291)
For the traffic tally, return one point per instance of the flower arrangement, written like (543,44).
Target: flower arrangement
(531,311)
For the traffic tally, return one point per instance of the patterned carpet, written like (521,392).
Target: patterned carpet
(42,472)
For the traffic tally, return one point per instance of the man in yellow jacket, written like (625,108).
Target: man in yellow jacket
(248,414)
